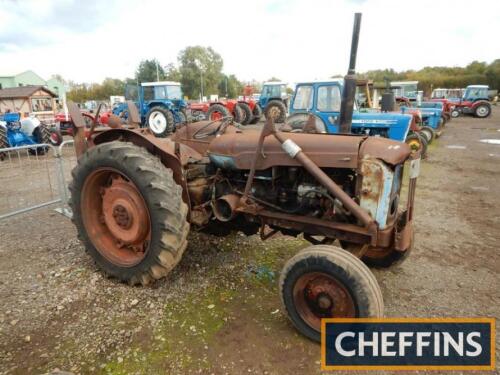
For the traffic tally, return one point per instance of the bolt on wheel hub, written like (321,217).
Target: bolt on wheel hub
(318,295)
(116,217)
(122,217)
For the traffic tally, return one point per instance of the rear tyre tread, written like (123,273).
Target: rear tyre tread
(247,113)
(157,185)
(282,108)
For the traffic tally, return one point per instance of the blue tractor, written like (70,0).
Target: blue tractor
(322,99)
(273,101)
(433,119)
(15,132)
(160,104)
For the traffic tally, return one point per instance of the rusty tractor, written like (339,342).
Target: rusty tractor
(135,198)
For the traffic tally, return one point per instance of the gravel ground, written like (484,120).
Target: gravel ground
(219,311)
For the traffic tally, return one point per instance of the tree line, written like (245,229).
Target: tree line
(199,68)
(429,78)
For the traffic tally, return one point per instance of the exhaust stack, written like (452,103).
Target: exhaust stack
(347,105)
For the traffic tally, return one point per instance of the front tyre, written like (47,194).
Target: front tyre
(160,121)
(129,212)
(455,113)
(324,281)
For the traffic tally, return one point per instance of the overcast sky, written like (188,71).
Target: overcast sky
(294,40)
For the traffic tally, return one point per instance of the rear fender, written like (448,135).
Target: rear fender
(161,147)
(165,104)
(479,102)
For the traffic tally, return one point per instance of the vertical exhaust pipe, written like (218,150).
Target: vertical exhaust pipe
(348,95)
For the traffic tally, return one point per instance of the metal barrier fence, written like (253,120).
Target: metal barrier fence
(35,176)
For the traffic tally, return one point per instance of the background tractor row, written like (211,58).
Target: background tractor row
(322,100)
(160,104)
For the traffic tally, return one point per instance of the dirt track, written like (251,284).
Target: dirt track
(219,311)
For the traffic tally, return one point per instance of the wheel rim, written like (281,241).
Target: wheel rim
(116,217)
(482,111)
(157,122)
(215,116)
(317,295)
(274,112)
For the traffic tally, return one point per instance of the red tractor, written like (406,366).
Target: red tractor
(475,101)
(244,112)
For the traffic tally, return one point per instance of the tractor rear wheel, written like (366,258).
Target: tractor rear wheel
(256,113)
(41,134)
(4,141)
(276,110)
(482,110)
(160,121)
(217,112)
(129,212)
(238,115)
(323,281)
(247,113)
(182,116)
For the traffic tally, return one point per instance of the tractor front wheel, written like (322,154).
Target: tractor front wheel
(323,281)
(276,110)
(160,121)
(247,113)
(455,113)
(256,113)
(482,110)
(129,212)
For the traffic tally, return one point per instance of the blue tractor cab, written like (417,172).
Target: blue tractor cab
(160,104)
(273,100)
(323,99)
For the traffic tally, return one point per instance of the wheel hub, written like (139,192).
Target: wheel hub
(318,295)
(124,212)
(122,217)
(157,122)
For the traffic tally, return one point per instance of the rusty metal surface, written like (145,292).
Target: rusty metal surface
(134,119)
(116,217)
(392,152)
(317,295)
(325,150)
(78,128)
